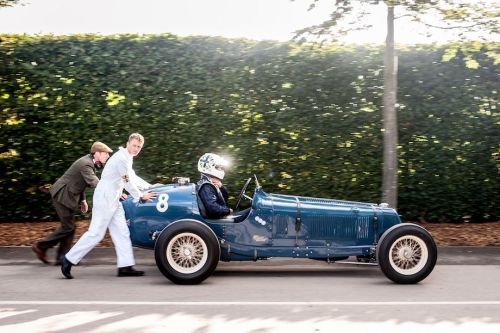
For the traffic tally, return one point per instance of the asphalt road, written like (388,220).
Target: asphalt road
(461,295)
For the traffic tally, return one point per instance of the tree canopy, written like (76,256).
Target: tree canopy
(469,18)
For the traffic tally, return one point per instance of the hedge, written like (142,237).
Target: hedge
(306,121)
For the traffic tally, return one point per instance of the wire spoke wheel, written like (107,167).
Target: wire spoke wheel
(187,253)
(408,255)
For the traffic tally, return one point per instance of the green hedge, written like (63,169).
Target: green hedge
(306,121)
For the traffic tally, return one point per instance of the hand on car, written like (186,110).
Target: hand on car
(149,195)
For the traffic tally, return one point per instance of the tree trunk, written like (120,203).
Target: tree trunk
(390,168)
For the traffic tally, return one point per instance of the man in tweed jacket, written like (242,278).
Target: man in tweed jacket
(67,193)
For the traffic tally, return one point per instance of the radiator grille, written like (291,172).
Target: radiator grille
(325,227)
(338,227)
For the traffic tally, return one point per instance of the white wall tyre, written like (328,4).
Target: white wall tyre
(406,253)
(187,252)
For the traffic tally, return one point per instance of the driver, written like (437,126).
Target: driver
(211,191)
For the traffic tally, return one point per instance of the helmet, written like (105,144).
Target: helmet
(213,165)
(99,146)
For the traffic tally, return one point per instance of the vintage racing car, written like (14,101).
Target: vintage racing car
(188,246)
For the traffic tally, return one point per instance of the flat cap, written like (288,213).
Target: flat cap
(99,146)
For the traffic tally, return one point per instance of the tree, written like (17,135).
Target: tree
(390,168)
(470,19)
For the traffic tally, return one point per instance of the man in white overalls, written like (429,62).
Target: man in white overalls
(107,211)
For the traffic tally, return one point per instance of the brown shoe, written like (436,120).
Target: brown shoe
(40,254)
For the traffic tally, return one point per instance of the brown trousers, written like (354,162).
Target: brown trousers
(64,234)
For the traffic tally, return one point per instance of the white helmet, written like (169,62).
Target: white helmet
(213,165)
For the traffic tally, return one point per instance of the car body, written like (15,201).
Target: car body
(188,246)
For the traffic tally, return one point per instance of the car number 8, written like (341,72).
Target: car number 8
(162,204)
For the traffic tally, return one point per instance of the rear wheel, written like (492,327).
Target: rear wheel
(406,253)
(187,252)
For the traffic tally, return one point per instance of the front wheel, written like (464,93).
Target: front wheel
(187,252)
(406,253)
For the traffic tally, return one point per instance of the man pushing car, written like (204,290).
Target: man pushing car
(107,211)
(67,193)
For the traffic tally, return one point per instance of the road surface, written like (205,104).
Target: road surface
(278,295)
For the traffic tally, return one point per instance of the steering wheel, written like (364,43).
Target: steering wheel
(242,193)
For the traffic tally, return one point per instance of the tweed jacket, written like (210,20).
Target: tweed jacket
(69,190)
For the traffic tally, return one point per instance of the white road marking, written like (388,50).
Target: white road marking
(60,322)
(92,322)
(264,303)
(5,313)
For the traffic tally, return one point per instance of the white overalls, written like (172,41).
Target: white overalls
(107,211)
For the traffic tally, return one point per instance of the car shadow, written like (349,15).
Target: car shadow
(351,272)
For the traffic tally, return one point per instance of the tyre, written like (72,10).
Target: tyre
(187,252)
(406,253)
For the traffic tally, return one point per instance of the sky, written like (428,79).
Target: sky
(252,19)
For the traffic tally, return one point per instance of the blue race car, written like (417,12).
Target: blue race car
(188,246)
